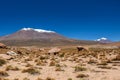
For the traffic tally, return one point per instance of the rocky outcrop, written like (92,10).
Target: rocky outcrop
(2,45)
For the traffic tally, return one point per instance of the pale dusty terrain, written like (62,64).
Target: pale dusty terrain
(67,64)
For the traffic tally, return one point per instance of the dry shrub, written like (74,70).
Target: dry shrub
(62,55)
(58,65)
(2,62)
(80,68)
(16,79)
(69,79)
(28,65)
(52,63)
(117,57)
(31,71)
(40,63)
(39,79)
(43,57)
(4,78)
(12,68)
(48,78)
(59,69)
(82,76)
(26,78)
(104,67)
(92,61)
(102,63)
(3,74)
(28,59)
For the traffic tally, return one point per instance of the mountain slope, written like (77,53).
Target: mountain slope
(39,37)
(32,34)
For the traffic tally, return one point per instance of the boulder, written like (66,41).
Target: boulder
(54,51)
(5,56)
(2,45)
(80,48)
(12,53)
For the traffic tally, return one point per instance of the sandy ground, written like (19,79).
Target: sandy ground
(66,66)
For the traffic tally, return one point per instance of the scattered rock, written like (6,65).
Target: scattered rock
(2,45)
(54,51)
(11,53)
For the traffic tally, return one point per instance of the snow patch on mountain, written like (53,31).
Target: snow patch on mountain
(38,30)
(27,29)
(103,38)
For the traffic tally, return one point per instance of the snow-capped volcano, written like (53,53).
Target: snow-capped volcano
(103,40)
(38,30)
(32,34)
(39,37)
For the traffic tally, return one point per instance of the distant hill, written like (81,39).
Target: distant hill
(40,37)
(103,40)
(114,44)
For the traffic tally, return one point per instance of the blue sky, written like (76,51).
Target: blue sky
(80,19)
